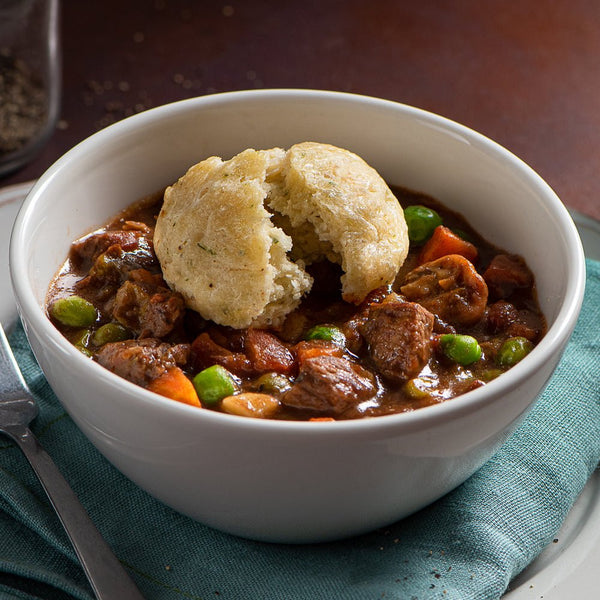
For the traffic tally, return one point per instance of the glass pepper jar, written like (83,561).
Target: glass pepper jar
(29,78)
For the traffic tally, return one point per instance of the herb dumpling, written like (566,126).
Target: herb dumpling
(335,206)
(234,237)
(218,247)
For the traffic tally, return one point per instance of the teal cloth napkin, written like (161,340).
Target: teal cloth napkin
(468,545)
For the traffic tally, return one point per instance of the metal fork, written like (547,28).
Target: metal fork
(106,575)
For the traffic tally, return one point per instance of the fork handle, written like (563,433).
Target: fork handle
(106,575)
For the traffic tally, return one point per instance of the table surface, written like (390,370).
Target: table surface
(526,73)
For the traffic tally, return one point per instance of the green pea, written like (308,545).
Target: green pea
(106,267)
(415,391)
(74,311)
(490,374)
(214,383)
(513,350)
(110,332)
(462,349)
(274,383)
(328,333)
(81,341)
(421,222)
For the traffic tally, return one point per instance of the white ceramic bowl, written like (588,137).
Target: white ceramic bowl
(287,481)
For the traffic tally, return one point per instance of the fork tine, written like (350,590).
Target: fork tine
(17,405)
(12,384)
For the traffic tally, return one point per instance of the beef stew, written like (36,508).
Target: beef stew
(459,314)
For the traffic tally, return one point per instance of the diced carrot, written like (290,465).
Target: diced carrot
(175,385)
(443,242)
(507,273)
(321,419)
(313,348)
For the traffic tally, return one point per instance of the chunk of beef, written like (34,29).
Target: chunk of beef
(146,306)
(111,268)
(267,353)
(206,352)
(103,279)
(228,337)
(351,327)
(503,317)
(142,361)
(521,329)
(329,385)
(123,261)
(507,273)
(450,288)
(90,247)
(398,335)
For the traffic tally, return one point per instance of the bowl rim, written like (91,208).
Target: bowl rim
(557,335)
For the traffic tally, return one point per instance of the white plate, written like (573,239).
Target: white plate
(11,199)
(569,568)
(566,569)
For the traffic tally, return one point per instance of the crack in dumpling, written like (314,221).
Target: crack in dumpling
(339,208)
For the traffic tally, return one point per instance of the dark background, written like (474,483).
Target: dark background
(525,72)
